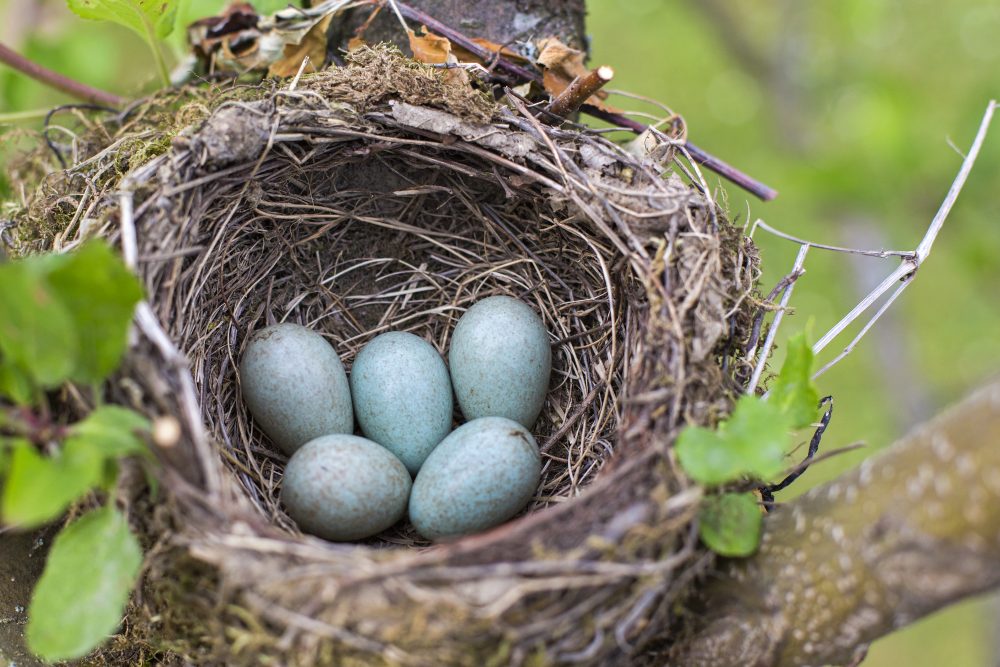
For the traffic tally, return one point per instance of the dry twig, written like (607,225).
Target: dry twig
(580,90)
(903,275)
(55,80)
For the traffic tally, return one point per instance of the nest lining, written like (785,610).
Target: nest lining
(368,209)
(353,246)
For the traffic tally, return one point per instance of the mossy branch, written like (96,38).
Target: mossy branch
(910,531)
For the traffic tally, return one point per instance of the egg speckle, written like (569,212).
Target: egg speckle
(500,361)
(482,474)
(402,396)
(295,386)
(344,487)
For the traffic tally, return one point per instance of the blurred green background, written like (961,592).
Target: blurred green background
(845,106)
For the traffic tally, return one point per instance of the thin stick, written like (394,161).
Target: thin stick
(912,262)
(147,322)
(395,10)
(822,246)
(58,81)
(724,169)
(758,370)
(521,74)
(580,90)
(850,347)
(298,75)
(904,269)
(18,116)
(130,245)
(924,249)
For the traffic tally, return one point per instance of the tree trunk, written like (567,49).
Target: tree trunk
(499,21)
(910,531)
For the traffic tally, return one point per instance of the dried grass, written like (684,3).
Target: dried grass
(394,206)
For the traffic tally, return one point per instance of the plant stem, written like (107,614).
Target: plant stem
(58,81)
(18,116)
(154,46)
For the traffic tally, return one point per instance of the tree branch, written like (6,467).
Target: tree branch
(55,80)
(521,74)
(910,531)
(580,90)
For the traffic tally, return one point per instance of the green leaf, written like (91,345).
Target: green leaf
(730,524)
(112,431)
(5,445)
(80,596)
(38,489)
(149,18)
(751,442)
(100,295)
(36,329)
(793,392)
(15,383)
(268,7)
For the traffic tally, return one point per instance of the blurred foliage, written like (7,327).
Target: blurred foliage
(845,106)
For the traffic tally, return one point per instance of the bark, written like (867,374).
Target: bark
(910,531)
(500,21)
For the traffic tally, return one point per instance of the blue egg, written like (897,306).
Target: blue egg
(402,396)
(295,386)
(482,474)
(344,487)
(500,361)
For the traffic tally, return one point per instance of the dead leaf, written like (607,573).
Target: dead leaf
(562,60)
(313,44)
(560,65)
(436,50)
(241,40)
(430,48)
(355,43)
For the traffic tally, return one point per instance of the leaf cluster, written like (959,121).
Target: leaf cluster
(65,318)
(751,443)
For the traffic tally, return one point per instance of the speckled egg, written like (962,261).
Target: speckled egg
(344,487)
(500,361)
(402,396)
(295,386)
(482,474)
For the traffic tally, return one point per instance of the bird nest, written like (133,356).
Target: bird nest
(388,195)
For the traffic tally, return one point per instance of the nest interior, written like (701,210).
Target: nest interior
(386,195)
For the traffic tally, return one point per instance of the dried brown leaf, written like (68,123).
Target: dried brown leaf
(312,45)
(563,61)
(430,48)
(560,65)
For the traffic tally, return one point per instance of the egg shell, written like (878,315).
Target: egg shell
(482,474)
(402,396)
(345,487)
(295,386)
(500,361)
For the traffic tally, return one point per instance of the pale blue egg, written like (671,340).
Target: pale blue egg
(482,474)
(344,487)
(500,361)
(402,396)
(295,386)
